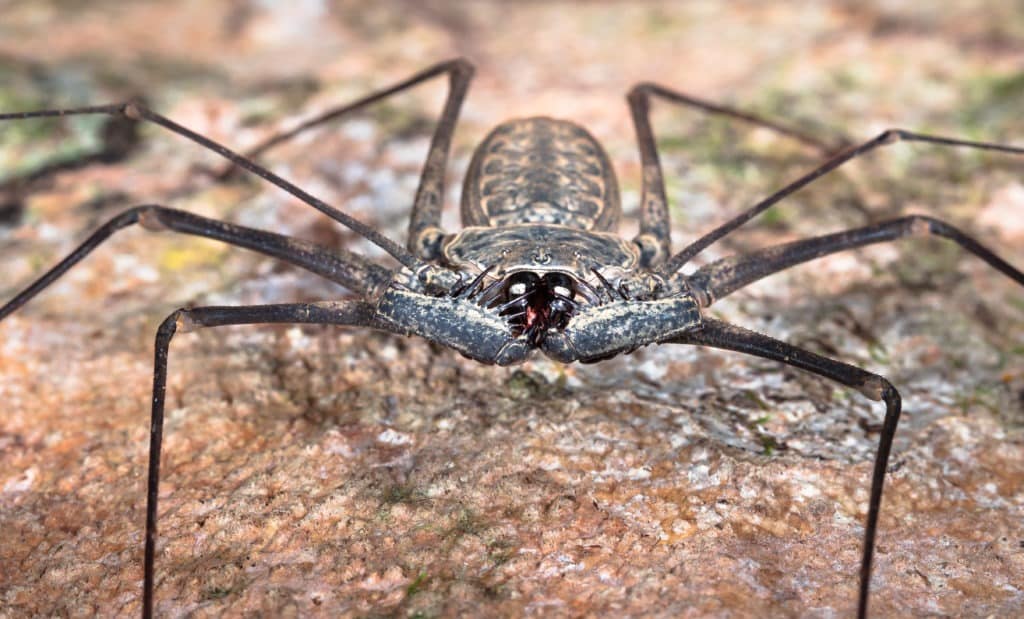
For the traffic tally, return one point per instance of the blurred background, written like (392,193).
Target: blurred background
(75,363)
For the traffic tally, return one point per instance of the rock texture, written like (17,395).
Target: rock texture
(314,471)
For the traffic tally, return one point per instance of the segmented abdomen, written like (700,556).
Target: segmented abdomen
(540,170)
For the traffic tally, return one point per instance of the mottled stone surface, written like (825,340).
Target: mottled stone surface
(318,471)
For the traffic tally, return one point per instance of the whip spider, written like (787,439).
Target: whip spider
(537,267)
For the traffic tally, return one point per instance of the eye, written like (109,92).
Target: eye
(521,283)
(560,285)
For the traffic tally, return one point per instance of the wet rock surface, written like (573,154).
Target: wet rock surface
(312,470)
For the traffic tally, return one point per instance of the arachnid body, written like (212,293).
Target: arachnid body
(537,268)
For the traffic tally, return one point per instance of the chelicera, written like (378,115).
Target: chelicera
(536,268)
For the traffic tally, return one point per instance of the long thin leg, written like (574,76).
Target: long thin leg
(358,313)
(458,69)
(137,111)
(424,227)
(654,237)
(718,334)
(890,136)
(348,269)
(425,223)
(648,89)
(722,277)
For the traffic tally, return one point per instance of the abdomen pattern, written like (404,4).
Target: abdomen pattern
(541,170)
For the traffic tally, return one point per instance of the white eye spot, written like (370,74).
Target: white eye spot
(517,289)
(563,291)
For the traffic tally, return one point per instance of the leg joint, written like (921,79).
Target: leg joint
(653,250)
(134,110)
(426,243)
(923,225)
(876,388)
(179,321)
(462,67)
(641,92)
(891,136)
(148,216)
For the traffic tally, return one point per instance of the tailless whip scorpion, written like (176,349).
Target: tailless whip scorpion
(537,266)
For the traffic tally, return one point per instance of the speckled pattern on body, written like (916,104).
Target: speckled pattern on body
(541,170)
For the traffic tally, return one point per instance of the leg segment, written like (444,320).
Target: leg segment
(654,237)
(424,228)
(356,314)
(348,269)
(137,111)
(720,278)
(648,89)
(459,70)
(425,224)
(890,136)
(718,334)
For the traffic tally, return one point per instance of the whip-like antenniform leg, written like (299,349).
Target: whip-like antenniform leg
(353,313)
(727,275)
(137,111)
(718,334)
(346,268)
(654,238)
(890,136)
(424,226)
(350,270)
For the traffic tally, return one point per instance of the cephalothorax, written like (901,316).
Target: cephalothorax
(537,269)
